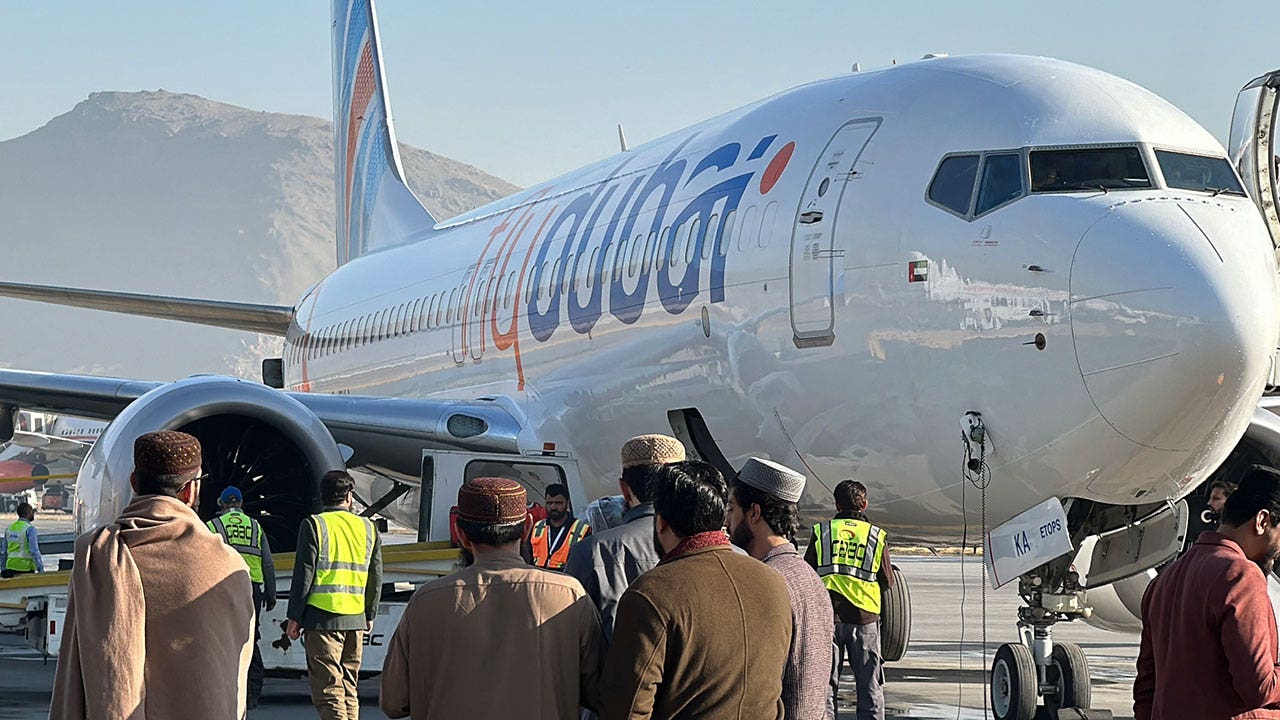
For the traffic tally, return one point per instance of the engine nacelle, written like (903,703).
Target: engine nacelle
(259,439)
(1118,606)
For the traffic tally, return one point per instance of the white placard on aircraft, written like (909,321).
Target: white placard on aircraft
(1029,540)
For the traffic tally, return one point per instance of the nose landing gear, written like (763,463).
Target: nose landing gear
(1037,675)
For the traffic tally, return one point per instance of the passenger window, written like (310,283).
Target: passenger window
(749,227)
(660,256)
(607,266)
(1001,181)
(620,261)
(766,222)
(709,242)
(726,233)
(432,318)
(649,249)
(453,295)
(952,185)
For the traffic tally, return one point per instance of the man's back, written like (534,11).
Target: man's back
(196,608)
(496,639)
(1209,643)
(607,563)
(703,635)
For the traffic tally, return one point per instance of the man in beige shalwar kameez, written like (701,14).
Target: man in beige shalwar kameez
(160,616)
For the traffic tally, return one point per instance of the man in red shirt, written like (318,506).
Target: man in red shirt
(1209,644)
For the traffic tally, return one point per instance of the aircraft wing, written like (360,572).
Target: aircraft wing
(49,443)
(386,434)
(268,319)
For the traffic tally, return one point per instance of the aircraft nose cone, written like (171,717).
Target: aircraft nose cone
(1174,316)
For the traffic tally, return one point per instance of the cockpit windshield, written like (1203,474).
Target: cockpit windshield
(1197,172)
(1098,168)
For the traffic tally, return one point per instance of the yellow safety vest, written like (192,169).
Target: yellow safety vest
(344,545)
(849,554)
(19,559)
(244,534)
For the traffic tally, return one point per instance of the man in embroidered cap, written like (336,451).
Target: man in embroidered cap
(156,600)
(763,521)
(498,638)
(679,650)
(607,562)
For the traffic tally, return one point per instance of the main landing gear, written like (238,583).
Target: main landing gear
(1038,675)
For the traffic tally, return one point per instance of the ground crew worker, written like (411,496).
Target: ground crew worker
(21,551)
(337,583)
(551,539)
(245,535)
(852,558)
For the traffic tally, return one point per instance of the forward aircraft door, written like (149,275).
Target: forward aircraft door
(813,234)
(1253,146)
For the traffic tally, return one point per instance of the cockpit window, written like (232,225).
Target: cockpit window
(952,185)
(1197,172)
(1073,170)
(1001,181)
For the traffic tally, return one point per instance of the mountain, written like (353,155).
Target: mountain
(165,193)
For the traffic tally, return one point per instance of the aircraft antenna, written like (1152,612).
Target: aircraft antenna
(622,138)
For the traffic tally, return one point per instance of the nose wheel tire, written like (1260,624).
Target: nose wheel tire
(1014,683)
(1069,671)
(895,619)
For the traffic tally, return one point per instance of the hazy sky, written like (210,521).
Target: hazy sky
(529,90)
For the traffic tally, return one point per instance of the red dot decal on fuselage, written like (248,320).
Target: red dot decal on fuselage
(774,172)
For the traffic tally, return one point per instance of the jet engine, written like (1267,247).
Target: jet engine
(1117,606)
(258,439)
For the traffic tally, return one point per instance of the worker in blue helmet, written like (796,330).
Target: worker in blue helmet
(245,535)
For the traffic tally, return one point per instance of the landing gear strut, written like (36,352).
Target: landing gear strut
(1036,670)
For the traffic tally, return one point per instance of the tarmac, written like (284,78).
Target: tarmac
(942,676)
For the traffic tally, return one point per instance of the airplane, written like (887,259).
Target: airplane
(980,284)
(39,441)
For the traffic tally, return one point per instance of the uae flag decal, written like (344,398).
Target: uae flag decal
(917,271)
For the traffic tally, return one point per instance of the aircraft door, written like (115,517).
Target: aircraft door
(1253,146)
(813,234)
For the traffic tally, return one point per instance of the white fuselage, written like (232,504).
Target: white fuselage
(794,329)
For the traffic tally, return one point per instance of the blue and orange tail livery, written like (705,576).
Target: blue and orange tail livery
(375,207)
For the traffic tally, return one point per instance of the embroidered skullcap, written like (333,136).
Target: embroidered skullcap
(166,453)
(492,500)
(772,479)
(651,450)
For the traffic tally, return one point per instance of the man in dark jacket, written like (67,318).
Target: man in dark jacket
(608,562)
(706,633)
(336,548)
(1209,643)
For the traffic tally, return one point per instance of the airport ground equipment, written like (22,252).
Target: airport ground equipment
(39,602)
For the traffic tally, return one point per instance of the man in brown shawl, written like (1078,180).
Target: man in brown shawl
(160,614)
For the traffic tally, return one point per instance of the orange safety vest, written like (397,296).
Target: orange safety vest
(541,542)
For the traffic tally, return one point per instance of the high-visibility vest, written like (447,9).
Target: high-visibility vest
(344,546)
(849,554)
(541,542)
(244,534)
(20,558)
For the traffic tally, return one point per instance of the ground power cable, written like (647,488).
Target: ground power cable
(975,471)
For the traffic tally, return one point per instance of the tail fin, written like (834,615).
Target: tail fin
(375,207)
